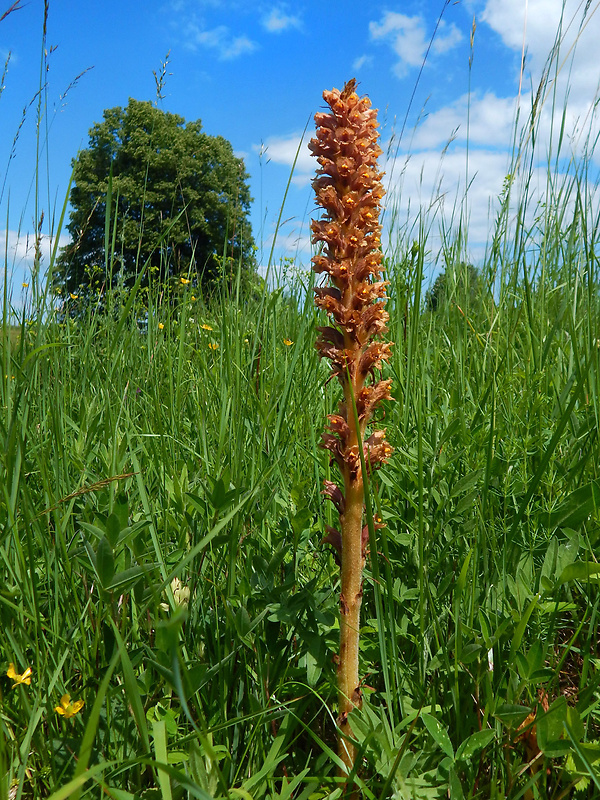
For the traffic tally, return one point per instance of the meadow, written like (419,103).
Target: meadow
(161,520)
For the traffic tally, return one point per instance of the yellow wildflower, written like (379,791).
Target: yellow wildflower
(14,675)
(160,326)
(67,709)
(185,281)
(193,297)
(287,342)
(205,327)
(73,296)
(25,285)
(213,345)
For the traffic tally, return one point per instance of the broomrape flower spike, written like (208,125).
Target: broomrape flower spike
(348,188)
(67,709)
(24,678)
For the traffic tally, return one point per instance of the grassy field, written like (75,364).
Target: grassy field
(161,518)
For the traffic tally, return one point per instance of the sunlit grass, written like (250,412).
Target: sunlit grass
(161,524)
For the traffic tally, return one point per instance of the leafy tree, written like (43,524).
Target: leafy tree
(457,281)
(179,205)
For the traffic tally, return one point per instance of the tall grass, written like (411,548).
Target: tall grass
(188,450)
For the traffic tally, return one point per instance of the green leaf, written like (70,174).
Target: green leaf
(105,565)
(169,631)
(520,629)
(243,622)
(577,507)
(121,581)
(574,723)
(91,729)
(512,715)
(132,692)
(159,735)
(580,571)
(456,790)
(550,729)
(567,552)
(466,483)
(548,573)
(475,742)
(462,578)
(438,734)
(113,529)
(121,509)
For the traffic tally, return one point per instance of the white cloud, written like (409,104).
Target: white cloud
(227,45)
(429,189)
(491,122)
(283,149)
(277,20)
(535,25)
(20,250)
(409,39)
(444,42)
(21,247)
(360,62)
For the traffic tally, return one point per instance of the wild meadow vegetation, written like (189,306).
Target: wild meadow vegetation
(161,520)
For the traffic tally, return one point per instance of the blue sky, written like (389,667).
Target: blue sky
(254,72)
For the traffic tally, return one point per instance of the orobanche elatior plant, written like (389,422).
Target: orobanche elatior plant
(348,187)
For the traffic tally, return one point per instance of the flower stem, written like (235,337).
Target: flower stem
(348,188)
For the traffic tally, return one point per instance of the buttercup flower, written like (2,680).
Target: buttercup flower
(287,342)
(73,296)
(25,285)
(205,327)
(160,326)
(185,281)
(24,678)
(213,345)
(67,709)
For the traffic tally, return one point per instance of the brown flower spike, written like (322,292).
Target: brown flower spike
(348,188)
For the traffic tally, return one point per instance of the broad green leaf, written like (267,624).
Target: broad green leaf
(105,564)
(456,790)
(512,715)
(575,723)
(466,483)
(113,529)
(580,571)
(548,573)
(550,729)
(567,552)
(577,507)
(123,580)
(475,742)
(438,734)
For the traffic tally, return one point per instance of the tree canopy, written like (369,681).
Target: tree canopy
(179,204)
(460,280)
